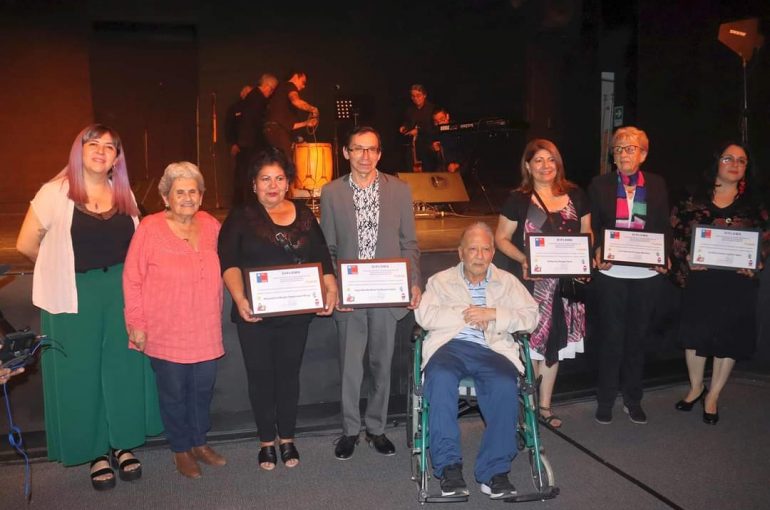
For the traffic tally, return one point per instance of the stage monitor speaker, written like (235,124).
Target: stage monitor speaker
(435,186)
(742,37)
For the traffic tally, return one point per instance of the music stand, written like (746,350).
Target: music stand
(345,108)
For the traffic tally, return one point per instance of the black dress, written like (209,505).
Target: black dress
(718,306)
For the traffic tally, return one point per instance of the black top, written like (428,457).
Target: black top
(100,241)
(253,117)
(422,118)
(280,109)
(233,121)
(603,196)
(249,238)
(515,209)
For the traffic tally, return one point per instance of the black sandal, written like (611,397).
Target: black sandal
(289,452)
(107,483)
(127,475)
(267,455)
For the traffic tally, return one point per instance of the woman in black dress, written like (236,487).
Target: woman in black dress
(271,231)
(718,306)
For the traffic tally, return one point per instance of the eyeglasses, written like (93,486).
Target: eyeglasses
(629,149)
(359,151)
(730,160)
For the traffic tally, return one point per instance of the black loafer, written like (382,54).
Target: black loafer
(346,445)
(381,443)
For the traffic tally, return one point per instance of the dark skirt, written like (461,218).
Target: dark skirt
(719,314)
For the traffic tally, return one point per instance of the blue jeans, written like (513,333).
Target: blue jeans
(497,392)
(184,393)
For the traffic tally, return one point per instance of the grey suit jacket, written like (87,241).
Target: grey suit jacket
(396,235)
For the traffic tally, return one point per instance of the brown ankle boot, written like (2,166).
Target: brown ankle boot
(186,465)
(207,455)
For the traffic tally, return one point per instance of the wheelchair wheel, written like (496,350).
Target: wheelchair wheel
(542,478)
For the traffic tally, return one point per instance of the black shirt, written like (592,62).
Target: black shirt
(280,109)
(100,241)
(252,118)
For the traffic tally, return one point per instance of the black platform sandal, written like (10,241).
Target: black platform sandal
(289,452)
(106,483)
(127,475)
(267,455)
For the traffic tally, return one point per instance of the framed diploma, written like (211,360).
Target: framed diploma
(556,255)
(374,283)
(724,248)
(285,290)
(634,247)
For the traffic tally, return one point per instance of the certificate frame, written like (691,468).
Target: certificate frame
(700,241)
(347,284)
(532,246)
(316,286)
(660,238)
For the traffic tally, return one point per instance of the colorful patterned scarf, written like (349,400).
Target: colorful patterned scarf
(638,216)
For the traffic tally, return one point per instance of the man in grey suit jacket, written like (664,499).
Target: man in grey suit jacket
(368,215)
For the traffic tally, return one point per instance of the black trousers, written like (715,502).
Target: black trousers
(625,310)
(272,352)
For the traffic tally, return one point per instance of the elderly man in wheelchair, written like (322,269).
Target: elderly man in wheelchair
(470,312)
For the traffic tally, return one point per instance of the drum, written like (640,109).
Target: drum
(314,168)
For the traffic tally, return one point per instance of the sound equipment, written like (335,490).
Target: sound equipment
(482,125)
(743,38)
(314,168)
(435,187)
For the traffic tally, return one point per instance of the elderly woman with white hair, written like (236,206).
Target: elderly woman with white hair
(638,200)
(173,294)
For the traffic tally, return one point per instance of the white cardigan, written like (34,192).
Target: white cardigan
(53,283)
(447,295)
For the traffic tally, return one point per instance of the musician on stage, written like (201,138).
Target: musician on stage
(446,145)
(418,124)
(283,111)
(248,133)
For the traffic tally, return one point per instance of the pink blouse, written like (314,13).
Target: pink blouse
(173,292)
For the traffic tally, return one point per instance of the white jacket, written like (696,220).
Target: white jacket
(446,296)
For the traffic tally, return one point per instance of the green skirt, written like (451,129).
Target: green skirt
(98,393)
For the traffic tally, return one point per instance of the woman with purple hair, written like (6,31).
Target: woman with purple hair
(100,396)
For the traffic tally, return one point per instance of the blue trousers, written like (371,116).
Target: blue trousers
(497,392)
(184,393)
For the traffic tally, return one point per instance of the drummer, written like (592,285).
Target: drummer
(283,110)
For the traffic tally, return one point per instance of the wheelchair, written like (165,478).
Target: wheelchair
(527,431)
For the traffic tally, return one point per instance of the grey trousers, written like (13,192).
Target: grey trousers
(375,328)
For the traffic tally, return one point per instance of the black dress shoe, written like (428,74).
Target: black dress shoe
(710,418)
(684,405)
(346,445)
(381,443)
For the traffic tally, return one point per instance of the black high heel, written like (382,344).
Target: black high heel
(710,418)
(684,405)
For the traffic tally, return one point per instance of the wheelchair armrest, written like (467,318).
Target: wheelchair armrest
(418,334)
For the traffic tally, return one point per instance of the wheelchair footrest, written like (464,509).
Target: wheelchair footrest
(437,498)
(549,493)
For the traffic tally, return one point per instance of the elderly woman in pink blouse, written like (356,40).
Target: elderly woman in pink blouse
(173,294)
